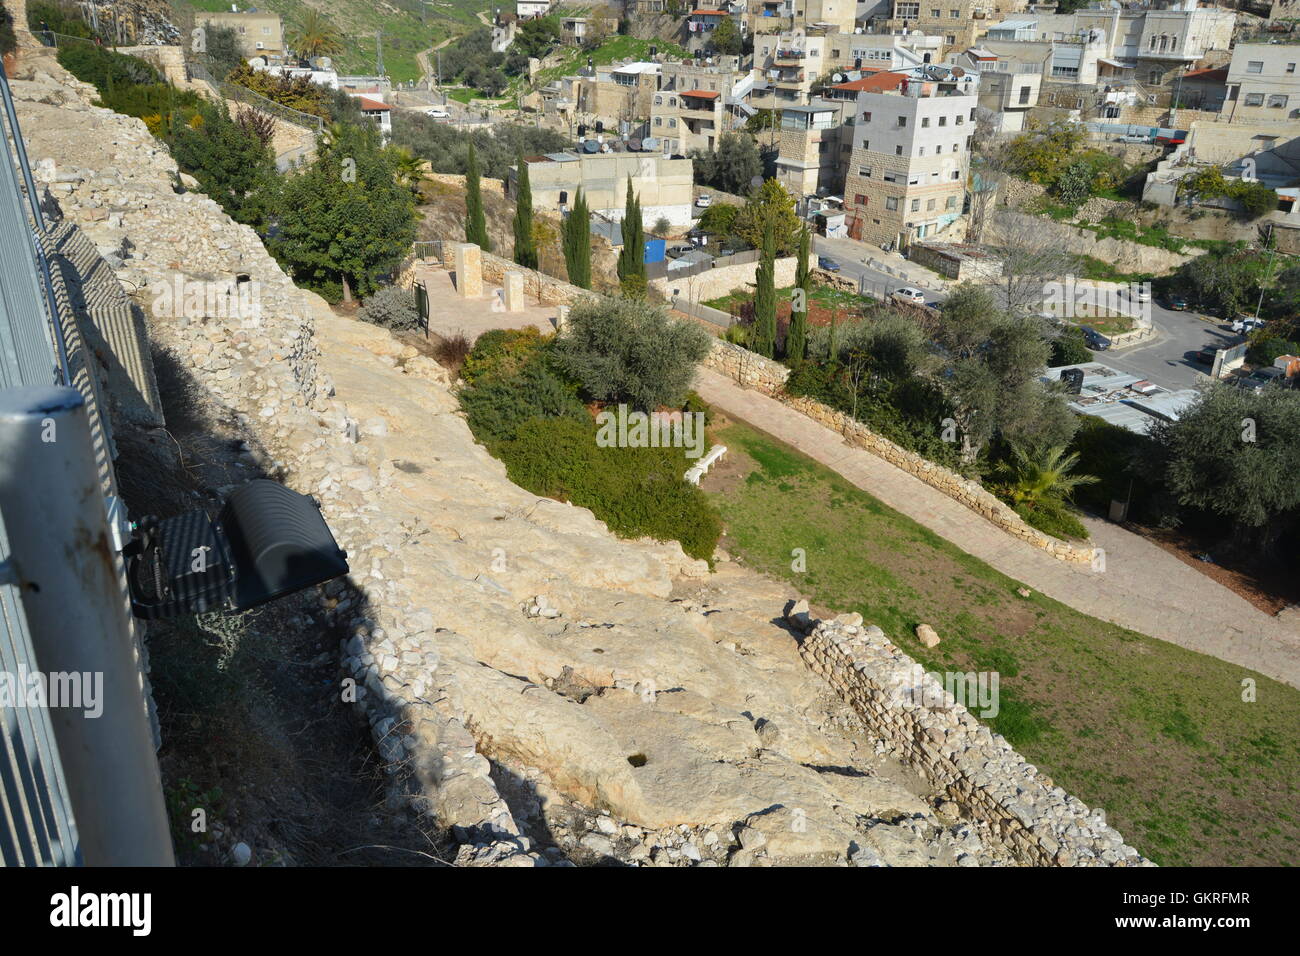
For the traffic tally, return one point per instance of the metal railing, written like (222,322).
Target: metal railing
(242,94)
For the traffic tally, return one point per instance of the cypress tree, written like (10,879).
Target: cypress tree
(631,259)
(475,224)
(576,239)
(525,247)
(796,338)
(765,299)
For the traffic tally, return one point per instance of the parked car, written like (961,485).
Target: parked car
(830,265)
(678,249)
(1094,339)
(703,201)
(1131,138)
(437,112)
(1176,301)
(909,295)
(1246,324)
(1206,355)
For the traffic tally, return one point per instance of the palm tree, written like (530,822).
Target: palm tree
(1038,474)
(408,169)
(313,35)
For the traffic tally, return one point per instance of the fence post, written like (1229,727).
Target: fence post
(78,610)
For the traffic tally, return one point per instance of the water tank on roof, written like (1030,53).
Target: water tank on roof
(590,146)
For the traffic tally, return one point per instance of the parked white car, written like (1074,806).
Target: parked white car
(1244,326)
(437,112)
(703,201)
(909,295)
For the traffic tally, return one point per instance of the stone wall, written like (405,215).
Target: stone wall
(936,735)
(537,285)
(1124,255)
(754,371)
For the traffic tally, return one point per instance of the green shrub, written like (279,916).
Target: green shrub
(1262,351)
(695,404)
(104,68)
(1070,347)
(637,492)
(1054,518)
(391,307)
(626,350)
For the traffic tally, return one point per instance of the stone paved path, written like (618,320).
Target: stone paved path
(1142,587)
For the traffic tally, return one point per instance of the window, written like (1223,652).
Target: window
(938,150)
(959,119)
(866,144)
(951,39)
(916,205)
(898,150)
(891,202)
(860,199)
(1254,99)
(902,122)
(864,171)
(951,203)
(934,13)
(1290,67)
(1154,77)
(907,11)
(956,147)
(929,205)
(659,121)
(925,122)
(1277,101)
(920,151)
(972,114)
(866,117)
(1024,98)
(1255,66)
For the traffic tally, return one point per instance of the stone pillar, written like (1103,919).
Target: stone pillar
(561,317)
(514,291)
(469,270)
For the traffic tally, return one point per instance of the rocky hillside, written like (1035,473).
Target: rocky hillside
(543,691)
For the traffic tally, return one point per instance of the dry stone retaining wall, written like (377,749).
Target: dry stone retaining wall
(754,371)
(1038,821)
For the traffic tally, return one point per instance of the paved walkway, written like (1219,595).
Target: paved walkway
(1142,587)
(450,314)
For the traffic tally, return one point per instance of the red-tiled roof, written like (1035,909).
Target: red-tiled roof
(702,94)
(370,105)
(876,83)
(708,13)
(1212,75)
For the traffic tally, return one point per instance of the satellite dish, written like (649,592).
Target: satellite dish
(838,77)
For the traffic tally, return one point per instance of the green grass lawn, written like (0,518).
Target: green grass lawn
(1156,735)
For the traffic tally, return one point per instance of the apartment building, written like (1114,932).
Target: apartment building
(618,94)
(792,62)
(907,171)
(883,51)
(959,22)
(1262,83)
(684,120)
(260,34)
(665,186)
(1007,90)
(814,147)
(1103,44)
(527,9)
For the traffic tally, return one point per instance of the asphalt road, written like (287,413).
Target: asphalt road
(1168,359)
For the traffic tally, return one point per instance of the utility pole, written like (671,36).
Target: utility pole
(1268,272)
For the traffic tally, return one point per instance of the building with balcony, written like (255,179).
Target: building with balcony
(683,120)
(883,51)
(906,177)
(1104,44)
(792,62)
(814,147)
(1007,90)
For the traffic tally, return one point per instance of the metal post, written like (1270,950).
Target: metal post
(78,609)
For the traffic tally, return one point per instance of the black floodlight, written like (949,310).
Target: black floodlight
(267,542)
